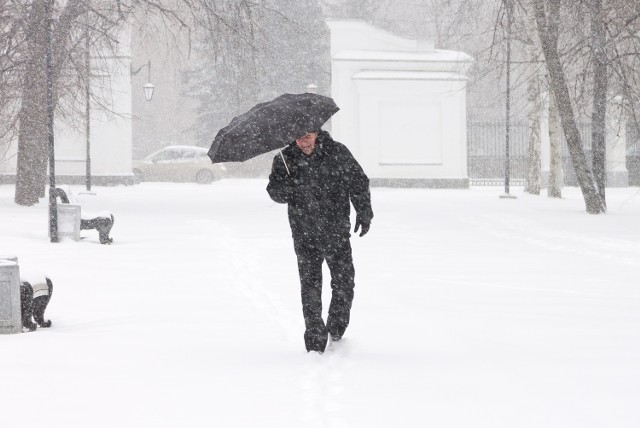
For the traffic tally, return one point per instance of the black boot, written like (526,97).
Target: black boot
(336,326)
(316,339)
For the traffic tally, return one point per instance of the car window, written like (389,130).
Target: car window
(190,154)
(159,156)
(169,154)
(195,154)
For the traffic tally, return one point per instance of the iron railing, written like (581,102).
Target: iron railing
(486,153)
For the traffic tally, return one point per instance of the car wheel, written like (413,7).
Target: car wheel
(138,176)
(204,176)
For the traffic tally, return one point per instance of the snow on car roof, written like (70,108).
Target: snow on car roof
(196,148)
(179,147)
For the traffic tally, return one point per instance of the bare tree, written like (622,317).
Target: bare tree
(600,85)
(535,102)
(556,174)
(534,96)
(31,21)
(547,14)
(622,27)
(70,21)
(32,155)
(9,63)
(254,66)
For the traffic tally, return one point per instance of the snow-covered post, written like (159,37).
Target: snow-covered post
(617,173)
(10,315)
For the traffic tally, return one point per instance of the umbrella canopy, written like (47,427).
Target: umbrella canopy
(271,125)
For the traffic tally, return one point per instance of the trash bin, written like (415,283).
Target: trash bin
(69,221)
(10,315)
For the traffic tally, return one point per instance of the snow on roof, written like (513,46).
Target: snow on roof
(408,75)
(439,55)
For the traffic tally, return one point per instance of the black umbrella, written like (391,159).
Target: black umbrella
(271,125)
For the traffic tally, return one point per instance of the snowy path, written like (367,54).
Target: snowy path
(469,311)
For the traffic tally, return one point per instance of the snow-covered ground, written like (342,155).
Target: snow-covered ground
(470,311)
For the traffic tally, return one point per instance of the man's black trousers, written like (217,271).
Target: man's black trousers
(311,255)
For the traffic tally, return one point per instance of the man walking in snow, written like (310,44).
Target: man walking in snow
(317,177)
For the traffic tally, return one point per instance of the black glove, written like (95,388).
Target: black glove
(364,223)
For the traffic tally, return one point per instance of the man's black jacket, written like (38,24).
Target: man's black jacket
(318,189)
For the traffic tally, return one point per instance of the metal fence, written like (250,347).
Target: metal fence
(487,153)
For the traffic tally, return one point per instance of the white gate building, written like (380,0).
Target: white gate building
(402,106)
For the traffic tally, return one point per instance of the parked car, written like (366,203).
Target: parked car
(178,164)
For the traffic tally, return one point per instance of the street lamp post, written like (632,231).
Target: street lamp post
(53,209)
(507,161)
(87,64)
(147,87)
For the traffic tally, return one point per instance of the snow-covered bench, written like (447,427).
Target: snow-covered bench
(102,221)
(23,292)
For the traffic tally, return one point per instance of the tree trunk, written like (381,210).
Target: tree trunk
(556,174)
(548,33)
(31,174)
(600,84)
(32,132)
(534,98)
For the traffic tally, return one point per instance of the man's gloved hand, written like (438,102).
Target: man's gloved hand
(364,223)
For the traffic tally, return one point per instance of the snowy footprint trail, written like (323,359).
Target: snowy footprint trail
(322,382)
(318,377)
(247,278)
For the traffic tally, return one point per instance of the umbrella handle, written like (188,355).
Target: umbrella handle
(285,162)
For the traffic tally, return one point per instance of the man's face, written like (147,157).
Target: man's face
(307,142)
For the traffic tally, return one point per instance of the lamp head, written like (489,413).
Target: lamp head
(148,90)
